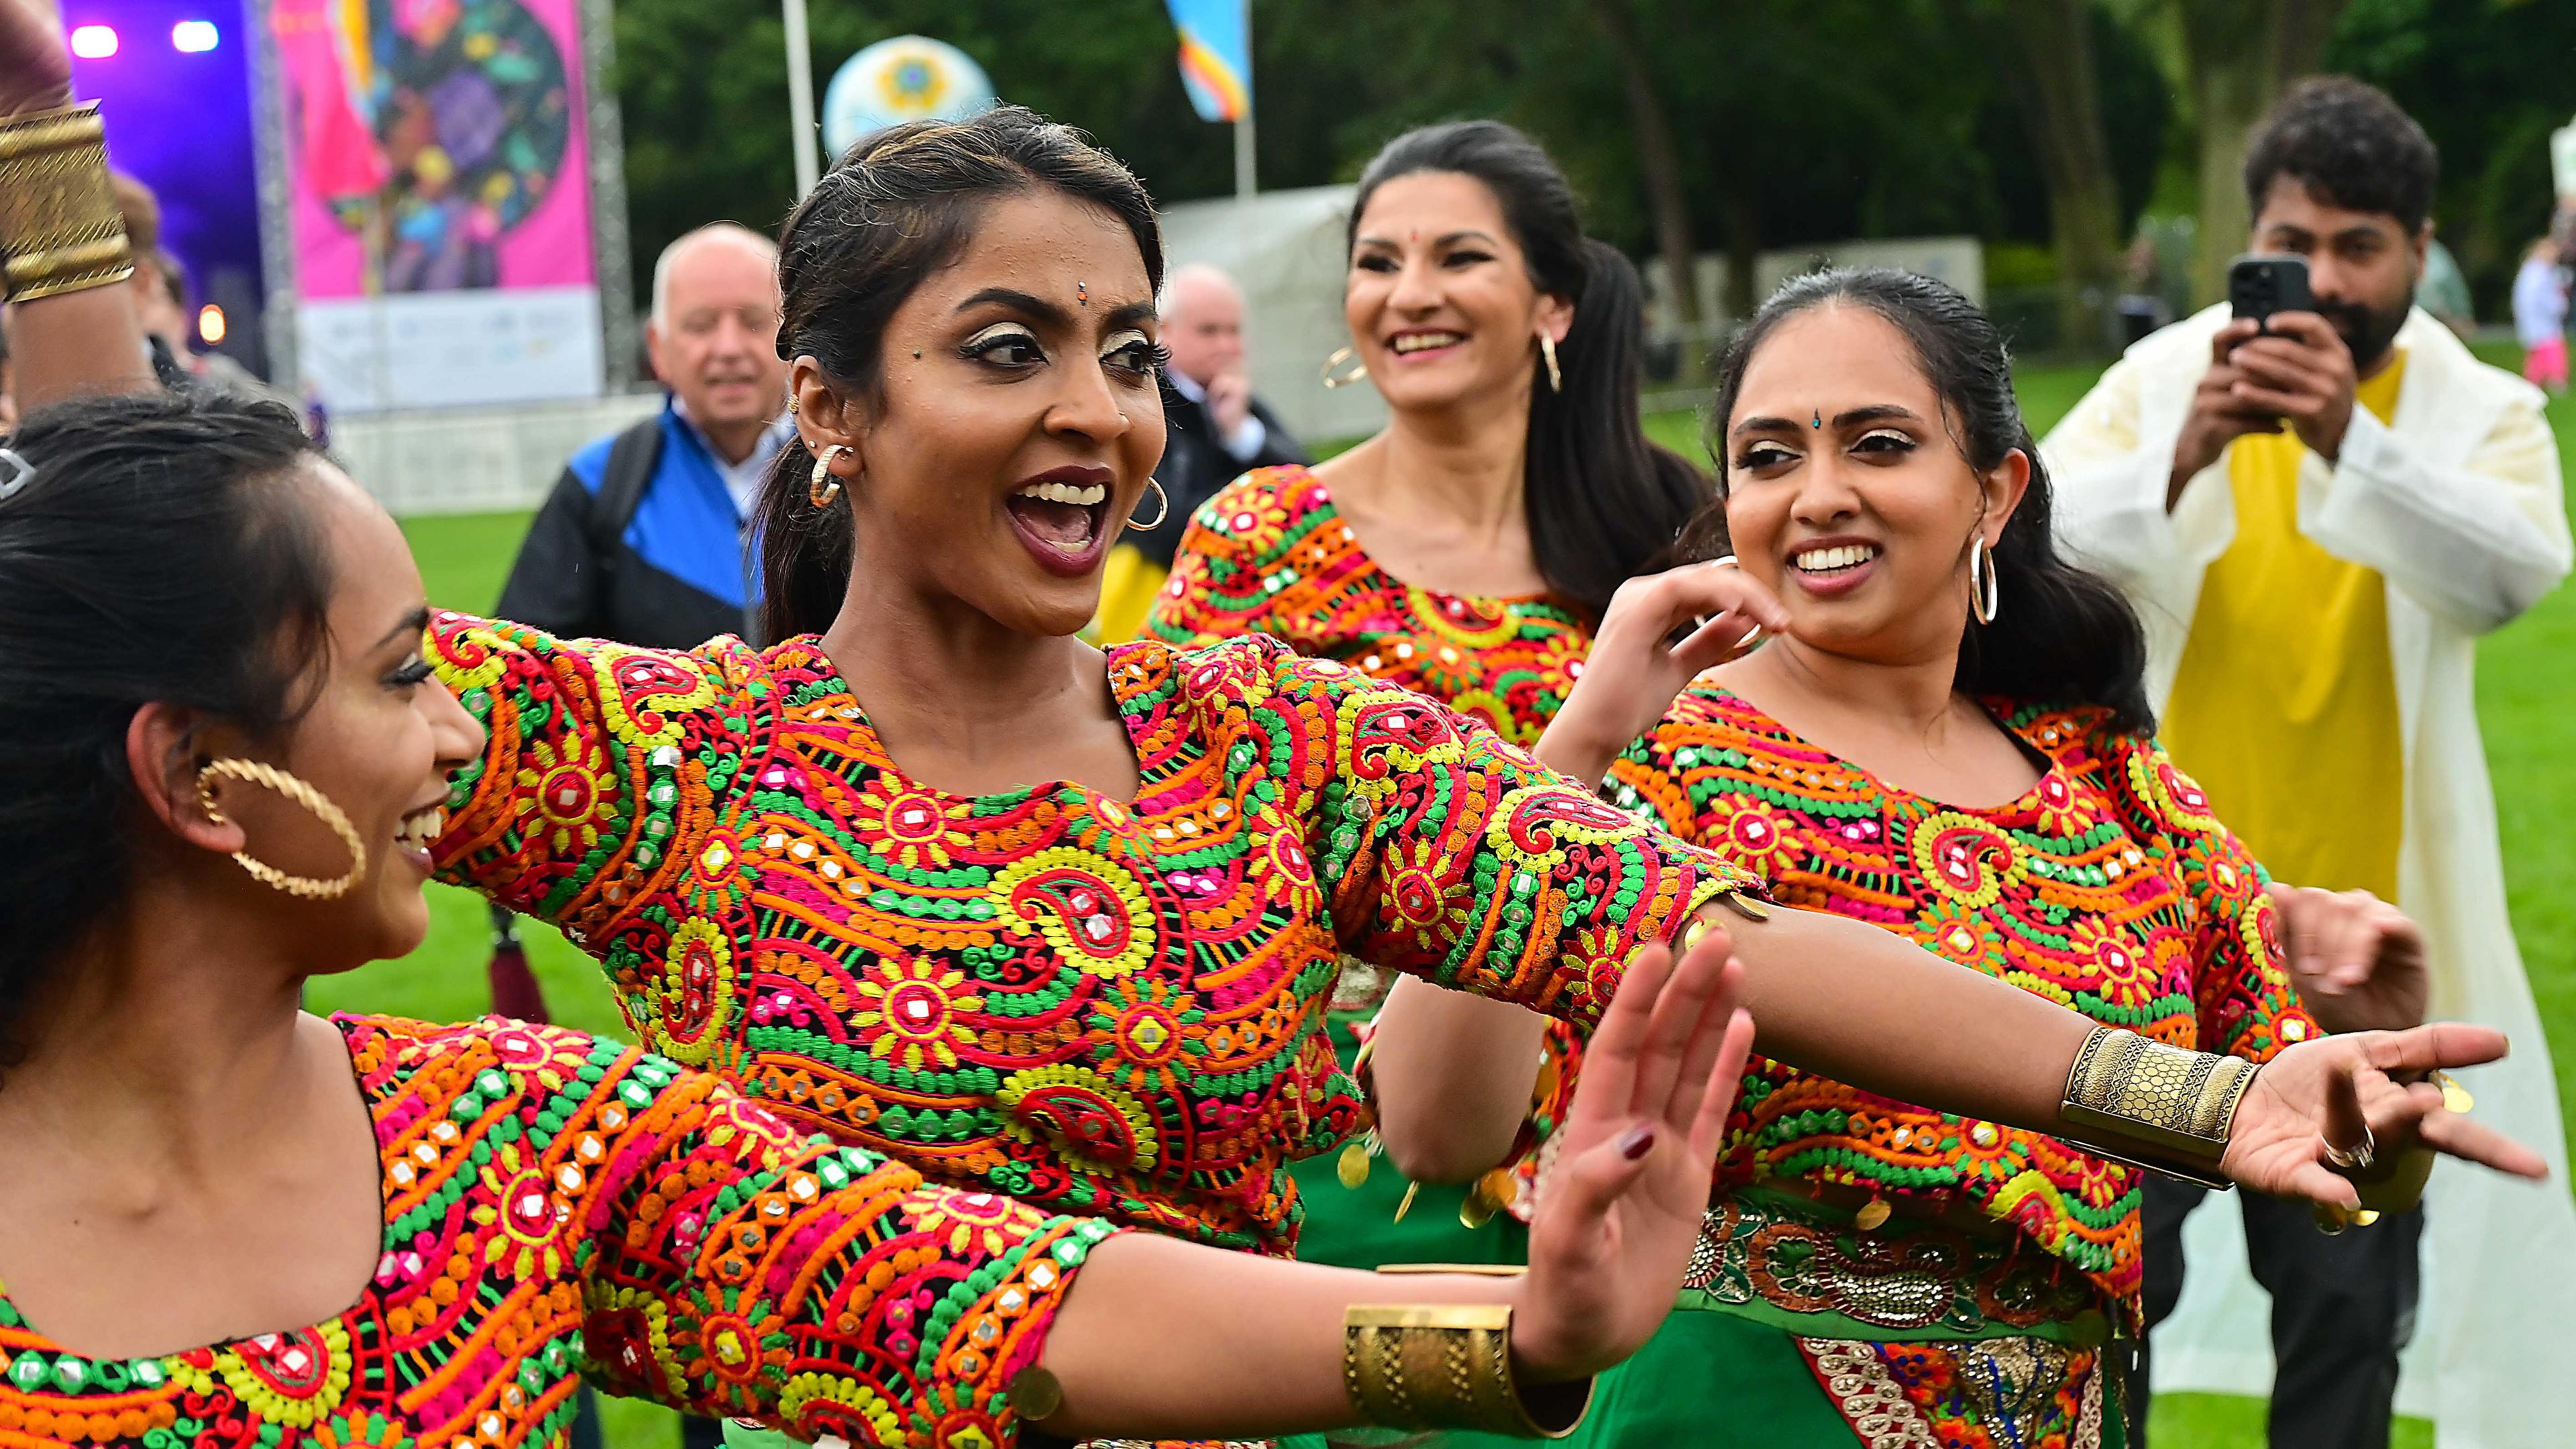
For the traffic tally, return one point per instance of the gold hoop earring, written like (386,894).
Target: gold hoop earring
(1160,514)
(1985,585)
(825,486)
(1547,353)
(1345,379)
(252,772)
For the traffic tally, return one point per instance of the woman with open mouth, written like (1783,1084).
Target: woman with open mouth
(1948,739)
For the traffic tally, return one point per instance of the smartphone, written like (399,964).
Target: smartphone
(2258,286)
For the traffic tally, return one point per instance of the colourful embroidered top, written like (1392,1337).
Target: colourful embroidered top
(2107,887)
(555,1204)
(1097,1006)
(1269,555)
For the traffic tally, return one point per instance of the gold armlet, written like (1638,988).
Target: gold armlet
(1449,1366)
(60,230)
(2155,1106)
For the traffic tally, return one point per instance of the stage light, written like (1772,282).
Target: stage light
(93,42)
(210,325)
(193,36)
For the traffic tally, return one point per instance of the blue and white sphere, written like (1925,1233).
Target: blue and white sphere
(907,78)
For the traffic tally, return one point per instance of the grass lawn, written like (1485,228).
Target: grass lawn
(2524,700)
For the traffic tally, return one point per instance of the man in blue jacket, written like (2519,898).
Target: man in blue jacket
(644,538)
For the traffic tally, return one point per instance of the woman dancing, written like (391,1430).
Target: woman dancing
(1950,740)
(1468,550)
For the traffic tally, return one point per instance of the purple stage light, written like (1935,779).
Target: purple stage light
(195,37)
(94,42)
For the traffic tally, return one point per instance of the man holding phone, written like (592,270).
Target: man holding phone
(2319,500)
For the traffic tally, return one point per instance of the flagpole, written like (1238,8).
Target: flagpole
(1244,180)
(800,97)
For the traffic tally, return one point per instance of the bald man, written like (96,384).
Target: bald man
(642,540)
(1216,430)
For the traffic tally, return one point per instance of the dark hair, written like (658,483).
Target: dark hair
(896,209)
(2349,143)
(156,552)
(1604,503)
(2063,635)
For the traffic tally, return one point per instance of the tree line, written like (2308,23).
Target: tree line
(1691,125)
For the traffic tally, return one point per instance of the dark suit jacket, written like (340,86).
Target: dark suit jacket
(1196,465)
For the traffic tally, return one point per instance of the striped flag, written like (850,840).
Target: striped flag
(1216,56)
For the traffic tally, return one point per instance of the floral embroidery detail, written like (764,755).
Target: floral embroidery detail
(575,1194)
(2084,891)
(1269,554)
(1043,993)
(914,1011)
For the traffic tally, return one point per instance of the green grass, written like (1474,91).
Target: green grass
(2524,703)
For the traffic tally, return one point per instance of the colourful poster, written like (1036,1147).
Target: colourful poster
(439,199)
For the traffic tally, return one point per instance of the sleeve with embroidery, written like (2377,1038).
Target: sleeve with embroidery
(724,1266)
(598,771)
(1445,852)
(2241,991)
(1218,585)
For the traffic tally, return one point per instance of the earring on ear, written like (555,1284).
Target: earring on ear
(1547,353)
(252,772)
(825,485)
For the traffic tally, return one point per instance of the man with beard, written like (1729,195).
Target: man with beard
(2317,517)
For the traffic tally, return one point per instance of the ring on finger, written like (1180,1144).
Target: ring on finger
(2354,1159)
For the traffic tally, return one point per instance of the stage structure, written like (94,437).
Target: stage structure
(442,201)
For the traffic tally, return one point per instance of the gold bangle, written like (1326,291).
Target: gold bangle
(2176,1105)
(1449,1366)
(60,230)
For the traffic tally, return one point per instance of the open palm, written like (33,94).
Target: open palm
(1621,1210)
(2331,1089)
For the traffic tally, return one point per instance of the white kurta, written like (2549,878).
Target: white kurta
(2455,503)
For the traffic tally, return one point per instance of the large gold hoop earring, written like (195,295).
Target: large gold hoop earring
(252,772)
(1547,353)
(825,485)
(1339,357)
(1160,514)
(1985,585)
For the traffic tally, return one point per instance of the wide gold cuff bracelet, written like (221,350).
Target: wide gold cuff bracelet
(60,230)
(1449,1366)
(2155,1106)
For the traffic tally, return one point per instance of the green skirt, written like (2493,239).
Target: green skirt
(1798,1331)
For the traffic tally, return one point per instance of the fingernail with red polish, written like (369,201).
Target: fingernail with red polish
(1639,1141)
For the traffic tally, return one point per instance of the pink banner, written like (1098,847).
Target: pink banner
(436,145)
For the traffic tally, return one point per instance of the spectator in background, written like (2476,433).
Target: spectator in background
(1215,430)
(645,537)
(2317,519)
(2540,316)
(642,540)
(170,323)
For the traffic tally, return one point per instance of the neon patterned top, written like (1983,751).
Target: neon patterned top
(549,1196)
(1100,1007)
(2107,887)
(1269,555)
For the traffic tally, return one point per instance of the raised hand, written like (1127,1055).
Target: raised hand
(2357,961)
(35,68)
(2364,1092)
(1621,1210)
(1637,664)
